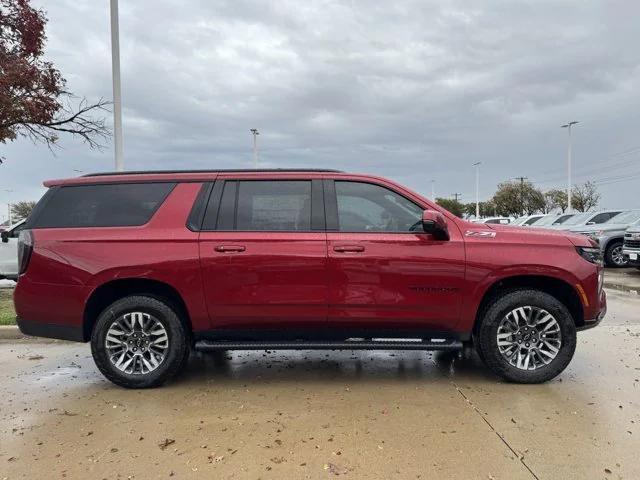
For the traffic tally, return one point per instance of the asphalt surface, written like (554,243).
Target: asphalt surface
(290,415)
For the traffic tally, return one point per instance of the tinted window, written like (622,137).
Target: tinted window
(600,218)
(562,219)
(274,205)
(532,220)
(364,207)
(102,205)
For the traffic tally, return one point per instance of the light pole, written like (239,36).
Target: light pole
(433,190)
(117,94)
(477,165)
(255,133)
(568,127)
(8,208)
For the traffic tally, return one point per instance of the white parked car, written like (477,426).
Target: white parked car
(587,218)
(9,251)
(498,220)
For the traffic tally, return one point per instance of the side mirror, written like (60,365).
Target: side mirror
(5,236)
(434,223)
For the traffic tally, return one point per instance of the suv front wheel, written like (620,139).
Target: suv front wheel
(614,256)
(139,342)
(527,336)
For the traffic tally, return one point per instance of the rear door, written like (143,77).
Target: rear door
(384,271)
(263,254)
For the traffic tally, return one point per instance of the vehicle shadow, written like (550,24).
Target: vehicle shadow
(334,366)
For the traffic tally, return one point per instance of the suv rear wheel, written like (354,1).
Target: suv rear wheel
(527,336)
(139,342)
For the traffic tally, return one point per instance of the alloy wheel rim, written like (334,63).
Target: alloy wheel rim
(137,343)
(617,256)
(529,337)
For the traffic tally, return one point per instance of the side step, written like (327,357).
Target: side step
(349,344)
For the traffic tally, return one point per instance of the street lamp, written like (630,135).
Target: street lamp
(568,127)
(255,133)
(117,94)
(433,190)
(8,207)
(477,165)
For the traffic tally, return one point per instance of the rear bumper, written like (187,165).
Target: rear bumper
(594,322)
(50,330)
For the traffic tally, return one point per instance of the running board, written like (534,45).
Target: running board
(356,344)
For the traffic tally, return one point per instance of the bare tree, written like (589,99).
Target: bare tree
(21,210)
(585,197)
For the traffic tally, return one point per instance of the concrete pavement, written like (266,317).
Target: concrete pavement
(317,415)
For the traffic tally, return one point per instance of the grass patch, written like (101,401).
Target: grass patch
(7,313)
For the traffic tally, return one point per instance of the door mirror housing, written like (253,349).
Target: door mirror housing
(5,236)
(435,224)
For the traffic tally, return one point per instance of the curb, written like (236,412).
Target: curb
(10,332)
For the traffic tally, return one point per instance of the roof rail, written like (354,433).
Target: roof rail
(231,170)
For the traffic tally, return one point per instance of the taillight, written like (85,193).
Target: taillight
(25,248)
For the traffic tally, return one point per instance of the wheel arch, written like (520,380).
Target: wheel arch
(107,293)
(558,288)
(610,240)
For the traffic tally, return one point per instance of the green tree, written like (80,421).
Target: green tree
(518,198)
(21,210)
(487,209)
(454,206)
(585,197)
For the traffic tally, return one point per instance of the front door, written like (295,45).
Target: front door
(264,256)
(384,271)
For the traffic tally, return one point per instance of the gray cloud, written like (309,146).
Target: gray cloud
(413,90)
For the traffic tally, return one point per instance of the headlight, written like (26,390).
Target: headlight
(590,254)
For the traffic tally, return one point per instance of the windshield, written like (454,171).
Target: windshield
(563,219)
(532,220)
(629,216)
(519,220)
(578,219)
(547,220)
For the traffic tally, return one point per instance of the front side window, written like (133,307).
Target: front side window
(119,205)
(364,207)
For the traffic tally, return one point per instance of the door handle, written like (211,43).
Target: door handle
(348,248)
(230,248)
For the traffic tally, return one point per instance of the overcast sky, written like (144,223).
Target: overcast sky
(413,90)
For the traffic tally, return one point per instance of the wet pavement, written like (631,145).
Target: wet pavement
(318,415)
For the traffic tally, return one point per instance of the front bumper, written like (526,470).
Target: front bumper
(594,322)
(633,256)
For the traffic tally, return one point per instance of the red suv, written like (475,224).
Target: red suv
(148,265)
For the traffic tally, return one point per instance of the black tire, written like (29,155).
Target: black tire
(176,354)
(487,343)
(609,253)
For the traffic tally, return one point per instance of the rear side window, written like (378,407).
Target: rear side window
(121,205)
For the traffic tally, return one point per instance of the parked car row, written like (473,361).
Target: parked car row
(606,227)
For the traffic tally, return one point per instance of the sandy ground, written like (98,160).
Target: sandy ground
(296,415)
